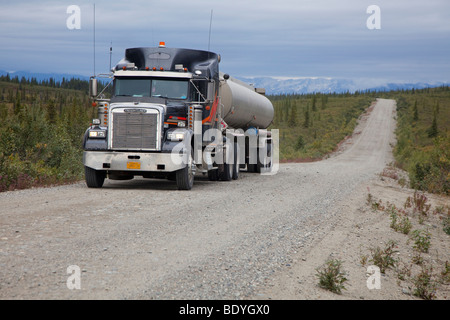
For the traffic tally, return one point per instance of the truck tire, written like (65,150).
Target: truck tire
(185,177)
(266,165)
(251,168)
(226,169)
(269,166)
(255,167)
(236,164)
(94,178)
(213,175)
(226,172)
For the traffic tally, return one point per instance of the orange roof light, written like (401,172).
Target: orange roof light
(162,44)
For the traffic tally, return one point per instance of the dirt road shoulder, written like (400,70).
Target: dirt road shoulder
(358,230)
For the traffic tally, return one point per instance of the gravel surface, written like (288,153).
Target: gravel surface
(143,239)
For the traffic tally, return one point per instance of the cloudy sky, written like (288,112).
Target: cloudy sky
(282,38)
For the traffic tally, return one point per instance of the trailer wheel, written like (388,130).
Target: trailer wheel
(269,166)
(226,172)
(236,165)
(213,175)
(185,176)
(94,178)
(266,165)
(226,169)
(251,168)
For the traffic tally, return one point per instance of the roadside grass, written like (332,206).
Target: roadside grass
(423,137)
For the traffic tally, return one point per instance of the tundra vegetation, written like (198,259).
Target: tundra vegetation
(41,127)
(423,134)
(420,266)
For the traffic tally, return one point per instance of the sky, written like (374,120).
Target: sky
(277,38)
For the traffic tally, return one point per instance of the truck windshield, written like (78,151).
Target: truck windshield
(132,87)
(146,87)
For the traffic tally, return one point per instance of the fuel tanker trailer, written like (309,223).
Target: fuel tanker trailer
(172,114)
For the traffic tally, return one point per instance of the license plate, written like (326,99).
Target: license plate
(133,165)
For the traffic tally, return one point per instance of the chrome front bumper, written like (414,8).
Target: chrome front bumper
(126,161)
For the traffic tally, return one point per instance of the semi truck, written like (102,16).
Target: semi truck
(172,114)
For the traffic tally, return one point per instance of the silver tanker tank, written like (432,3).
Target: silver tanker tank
(243,107)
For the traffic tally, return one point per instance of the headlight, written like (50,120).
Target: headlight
(100,134)
(175,136)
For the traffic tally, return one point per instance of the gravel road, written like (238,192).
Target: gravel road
(143,239)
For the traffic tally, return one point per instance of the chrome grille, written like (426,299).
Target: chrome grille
(135,131)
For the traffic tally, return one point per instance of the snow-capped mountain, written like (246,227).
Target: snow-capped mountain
(280,85)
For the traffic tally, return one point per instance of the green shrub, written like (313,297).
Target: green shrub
(383,258)
(331,277)
(422,240)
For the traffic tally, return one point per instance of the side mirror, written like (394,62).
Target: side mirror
(92,87)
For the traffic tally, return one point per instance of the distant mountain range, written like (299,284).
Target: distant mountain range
(279,85)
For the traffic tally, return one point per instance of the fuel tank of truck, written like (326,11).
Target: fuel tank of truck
(243,107)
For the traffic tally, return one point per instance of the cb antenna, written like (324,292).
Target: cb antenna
(94,39)
(210,24)
(110,55)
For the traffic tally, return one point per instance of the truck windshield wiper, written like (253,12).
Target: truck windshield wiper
(169,98)
(160,96)
(130,95)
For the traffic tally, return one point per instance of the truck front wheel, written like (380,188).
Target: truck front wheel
(185,177)
(94,178)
